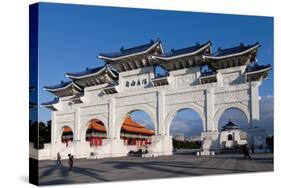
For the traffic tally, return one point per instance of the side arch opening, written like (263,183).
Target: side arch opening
(66,136)
(96,133)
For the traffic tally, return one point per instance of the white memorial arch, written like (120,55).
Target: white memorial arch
(128,82)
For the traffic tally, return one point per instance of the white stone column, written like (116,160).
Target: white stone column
(256,133)
(77,126)
(254,104)
(54,127)
(111,133)
(160,127)
(210,103)
(210,136)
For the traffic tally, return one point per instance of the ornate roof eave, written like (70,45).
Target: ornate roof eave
(62,88)
(105,68)
(259,71)
(68,90)
(51,105)
(182,55)
(232,55)
(257,74)
(158,42)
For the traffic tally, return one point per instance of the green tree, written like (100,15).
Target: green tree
(39,134)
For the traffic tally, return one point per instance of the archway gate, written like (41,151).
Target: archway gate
(128,82)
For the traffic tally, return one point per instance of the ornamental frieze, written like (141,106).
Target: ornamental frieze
(228,97)
(186,97)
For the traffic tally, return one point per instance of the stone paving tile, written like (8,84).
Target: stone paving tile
(134,168)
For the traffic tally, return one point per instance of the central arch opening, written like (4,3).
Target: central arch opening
(233,125)
(136,131)
(185,129)
(96,133)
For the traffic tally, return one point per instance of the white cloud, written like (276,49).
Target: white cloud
(186,126)
(267,113)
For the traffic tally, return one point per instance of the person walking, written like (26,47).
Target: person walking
(58,158)
(70,161)
(253,148)
(246,152)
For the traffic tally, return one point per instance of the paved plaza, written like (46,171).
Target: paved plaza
(136,168)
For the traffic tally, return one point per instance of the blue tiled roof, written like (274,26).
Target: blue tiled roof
(129,51)
(187,50)
(230,126)
(55,101)
(61,85)
(86,72)
(89,71)
(233,50)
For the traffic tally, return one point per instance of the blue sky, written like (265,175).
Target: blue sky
(71,37)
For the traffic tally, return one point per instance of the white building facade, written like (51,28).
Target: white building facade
(128,82)
(231,136)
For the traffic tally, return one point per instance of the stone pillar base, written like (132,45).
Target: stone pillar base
(160,146)
(210,143)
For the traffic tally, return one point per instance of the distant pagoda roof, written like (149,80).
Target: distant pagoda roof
(63,89)
(67,130)
(94,76)
(230,126)
(129,52)
(129,126)
(232,52)
(184,52)
(97,125)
